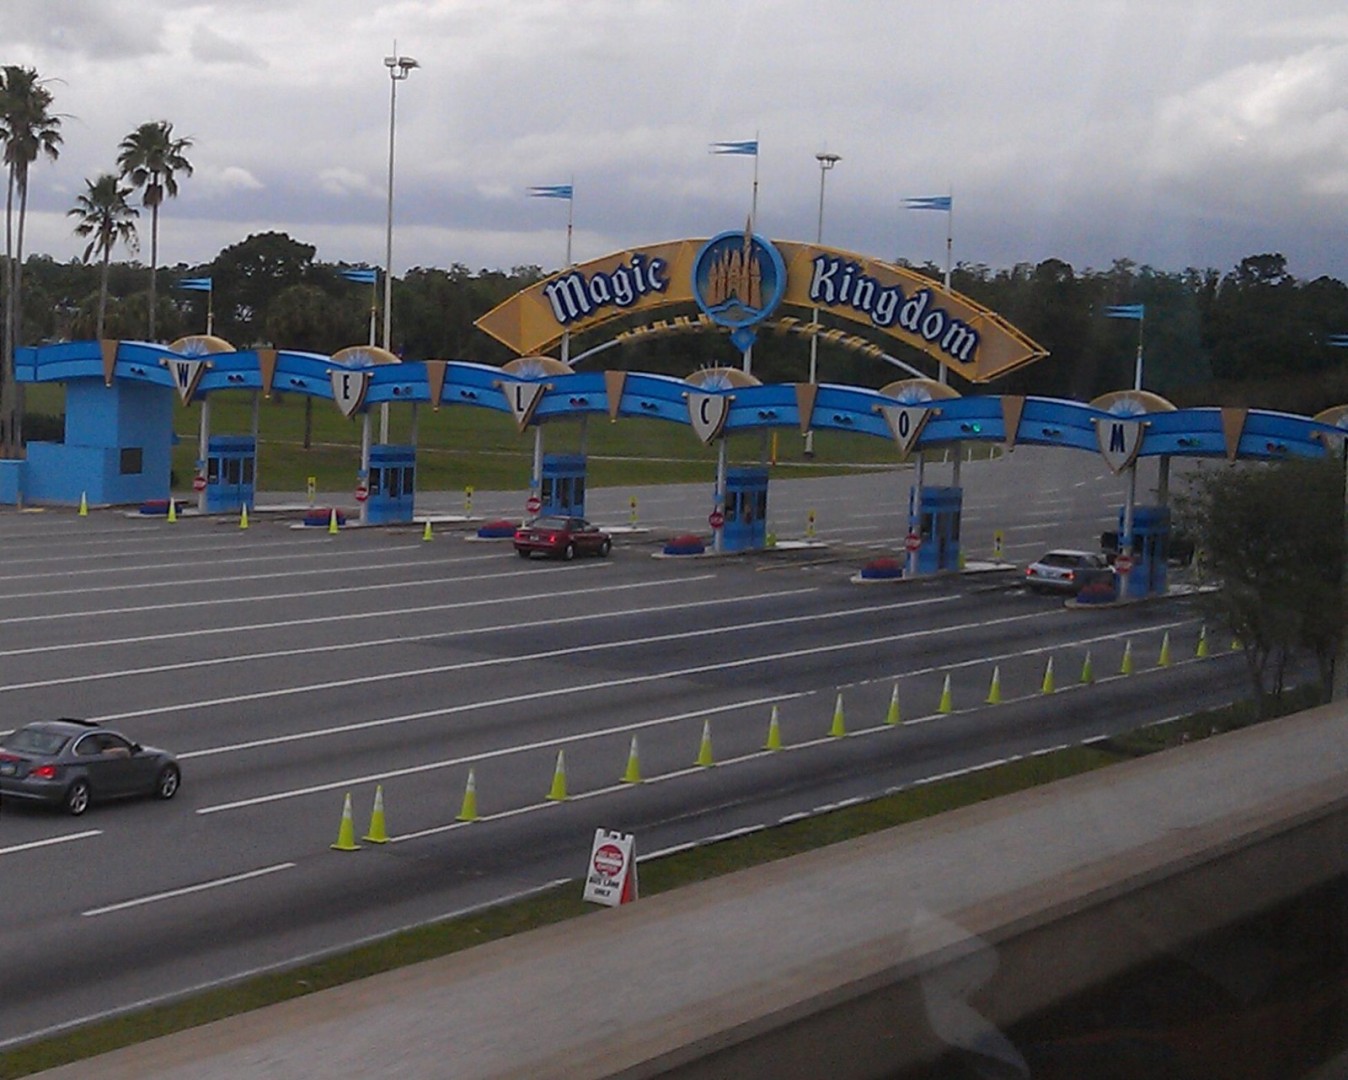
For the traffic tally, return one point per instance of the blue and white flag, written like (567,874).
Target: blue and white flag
(1125,311)
(552,191)
(1339,341)
(196,284)
(361,275)
(929,202)
(743,146)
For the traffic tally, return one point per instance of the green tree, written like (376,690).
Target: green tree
(150,157)
(1272,538)
(28,128)
(107,219)
(249,275)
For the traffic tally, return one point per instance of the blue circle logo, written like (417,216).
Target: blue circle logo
(738,280)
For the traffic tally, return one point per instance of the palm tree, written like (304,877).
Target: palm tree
(105,216)
(27,128)
(150,157)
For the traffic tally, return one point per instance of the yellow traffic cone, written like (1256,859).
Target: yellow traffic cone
(426,532)
(84,504)
(839,726)
(704,754)
(243,518)
(346,835)
(1202,649)
(892,716)
(1126,668)
(1164,660)
(469,810)
(557,793)
(774,733)
(1048,686)
(946,706)
(995,689)
(377,833)
(172,509)
(632,774)
(1087,671)
(1235,644)
(332,521)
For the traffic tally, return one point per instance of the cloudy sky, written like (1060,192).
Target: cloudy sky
(1173,134)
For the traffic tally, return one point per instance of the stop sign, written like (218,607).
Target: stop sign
(533,504)
(198,483)
(1124,563)
(362,493)
(912,543)
(716,519)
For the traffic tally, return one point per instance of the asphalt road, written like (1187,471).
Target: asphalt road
(289,668)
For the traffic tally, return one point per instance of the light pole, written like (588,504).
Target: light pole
(399,67)
(826,162)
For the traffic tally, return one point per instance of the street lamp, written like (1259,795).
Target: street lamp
(399,67)
(826,162)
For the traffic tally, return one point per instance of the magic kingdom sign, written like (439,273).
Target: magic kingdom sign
(739,280)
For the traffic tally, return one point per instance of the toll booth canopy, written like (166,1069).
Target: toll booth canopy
(392,484)
(746,508)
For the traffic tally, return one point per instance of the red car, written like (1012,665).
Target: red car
(561,537)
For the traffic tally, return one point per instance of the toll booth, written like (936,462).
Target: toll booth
(392,484)
(563,485)
(1151,550)
(746,509)
(938,527)
(231,463)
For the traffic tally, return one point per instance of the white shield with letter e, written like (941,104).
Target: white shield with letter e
(349,389)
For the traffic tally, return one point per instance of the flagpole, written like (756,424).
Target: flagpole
(570,223)
(753,203)
(949,237)
(1137,367)
(210,309)
(374,307)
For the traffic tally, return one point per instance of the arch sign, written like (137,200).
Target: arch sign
(742,277)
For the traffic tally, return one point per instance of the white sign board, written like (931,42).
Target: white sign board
(708,413)
(611,877)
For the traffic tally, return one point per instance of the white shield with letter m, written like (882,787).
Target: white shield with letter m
(1119,440)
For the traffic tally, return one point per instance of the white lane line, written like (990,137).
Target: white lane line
(32,844)
(346,617)
(154,898)
(572,650)
(395,639)
(263,599)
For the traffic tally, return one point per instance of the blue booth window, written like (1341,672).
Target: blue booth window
(376,481)
(132,461)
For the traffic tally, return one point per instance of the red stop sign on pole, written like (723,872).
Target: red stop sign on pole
(198,483)
(1124,563)
(912,543)
(362,492)
(716,519)
(533,504)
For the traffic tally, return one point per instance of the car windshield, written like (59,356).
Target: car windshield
(549,523)
(35,741)
(1063,558)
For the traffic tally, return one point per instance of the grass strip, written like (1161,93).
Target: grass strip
(657,876)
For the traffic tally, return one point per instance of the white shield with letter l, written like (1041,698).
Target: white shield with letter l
(523,399)
(349,388)
(708,414)
(906,423)
(1119,440)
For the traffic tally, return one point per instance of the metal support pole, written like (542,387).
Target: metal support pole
(718,543)
(365,465)
(203,447)
(826,162)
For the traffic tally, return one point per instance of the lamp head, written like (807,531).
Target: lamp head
(826,160)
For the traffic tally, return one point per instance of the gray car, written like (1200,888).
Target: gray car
(1066,571)
(70,763)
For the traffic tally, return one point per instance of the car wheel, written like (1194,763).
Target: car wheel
(167,785)
(77,798)
(569,552)
(605,548)
(523,553)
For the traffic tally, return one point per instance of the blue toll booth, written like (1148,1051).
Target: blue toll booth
(1151,550)
(563,485)
(392,484)
(231,462)
(746,509)
(938,527)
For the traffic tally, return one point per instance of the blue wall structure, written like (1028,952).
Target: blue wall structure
(120,395)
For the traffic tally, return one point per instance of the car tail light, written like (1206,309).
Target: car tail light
(44,772)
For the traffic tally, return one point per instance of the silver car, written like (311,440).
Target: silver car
(1065,570)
